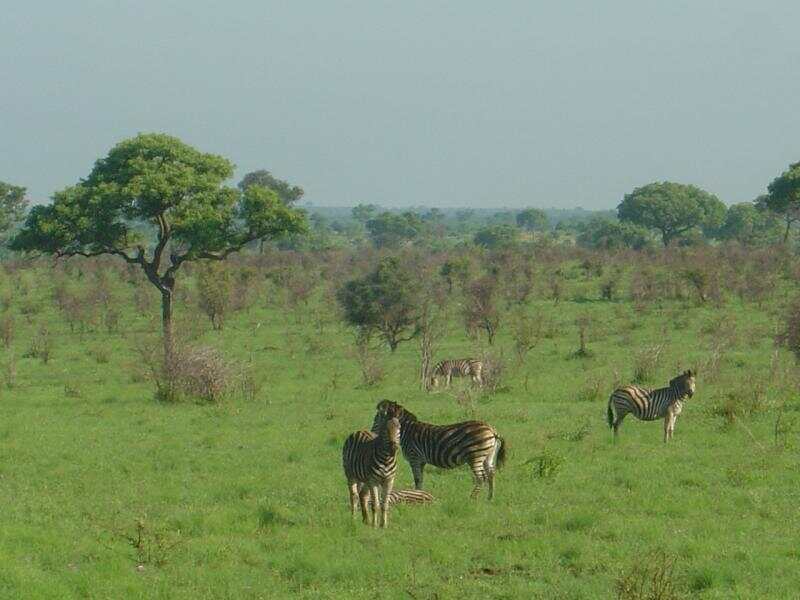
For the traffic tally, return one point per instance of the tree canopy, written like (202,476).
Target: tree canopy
(750,225)
(496,236)
(286,192)
(784,196)
(672,209)
(532,219)
(13,204)
(383,301)
(390,230)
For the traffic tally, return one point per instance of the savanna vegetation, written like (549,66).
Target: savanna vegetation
(198,453)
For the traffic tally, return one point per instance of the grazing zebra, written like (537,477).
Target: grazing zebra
(462,367)
(446,446)
(649,405)
(370,462)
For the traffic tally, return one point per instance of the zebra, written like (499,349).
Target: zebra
(446,446)
(649,405)
(462,367)
(370,465)
(407,497)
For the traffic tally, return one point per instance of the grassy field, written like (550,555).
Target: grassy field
(107,493)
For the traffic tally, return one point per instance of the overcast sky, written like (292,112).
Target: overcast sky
(463,103)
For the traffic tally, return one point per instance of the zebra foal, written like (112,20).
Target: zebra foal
(408,497)
(462,367)
(446,446)
(649,405)
(370,465)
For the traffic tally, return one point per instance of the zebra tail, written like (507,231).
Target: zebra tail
(501,453)
(610,415)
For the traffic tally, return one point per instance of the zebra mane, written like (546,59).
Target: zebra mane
(393,409)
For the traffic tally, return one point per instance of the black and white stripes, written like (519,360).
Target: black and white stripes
(462,367)
(446,446)
(370,464)
(649,405)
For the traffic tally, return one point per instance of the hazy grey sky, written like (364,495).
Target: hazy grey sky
(462,103)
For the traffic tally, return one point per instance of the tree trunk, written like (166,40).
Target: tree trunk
(166,325)
(786,233)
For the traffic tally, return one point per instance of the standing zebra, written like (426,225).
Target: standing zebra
(446,446)
(649,405)
(370,462)
(462,367)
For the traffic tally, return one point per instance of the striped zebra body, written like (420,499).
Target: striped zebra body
(649,405)
(370,465)
(446,446)
(409,497)
(463,367)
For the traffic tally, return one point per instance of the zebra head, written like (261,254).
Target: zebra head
(387,410)
(684,383)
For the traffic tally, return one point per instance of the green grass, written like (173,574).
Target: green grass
(247,499)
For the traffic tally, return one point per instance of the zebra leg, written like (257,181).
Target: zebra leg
(363,496)
(376,504)
(353,489)
(416,470)
(386,491)
(617,424)
(490,479)
(672,420)
(666,427)
(478,476)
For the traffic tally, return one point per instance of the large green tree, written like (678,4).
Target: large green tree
(157,182)
(12,206)
(532,219)
(494,237)
(384,301)
(390,230)
(750,224)
(784,197)
(672,209)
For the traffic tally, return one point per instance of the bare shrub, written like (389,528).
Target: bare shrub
(10,371)
(143,300)
(214,290)
(480,310)
(41,345)
(608,289)
(493,372)
(7,330)
(369,362)
(789,336)
(526,331)
(466,398)
(649,579)
(591,392)
(198,373)
(646,362)
(556,285)
(744,402)
(584,323)
(111,319)
(432,318)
